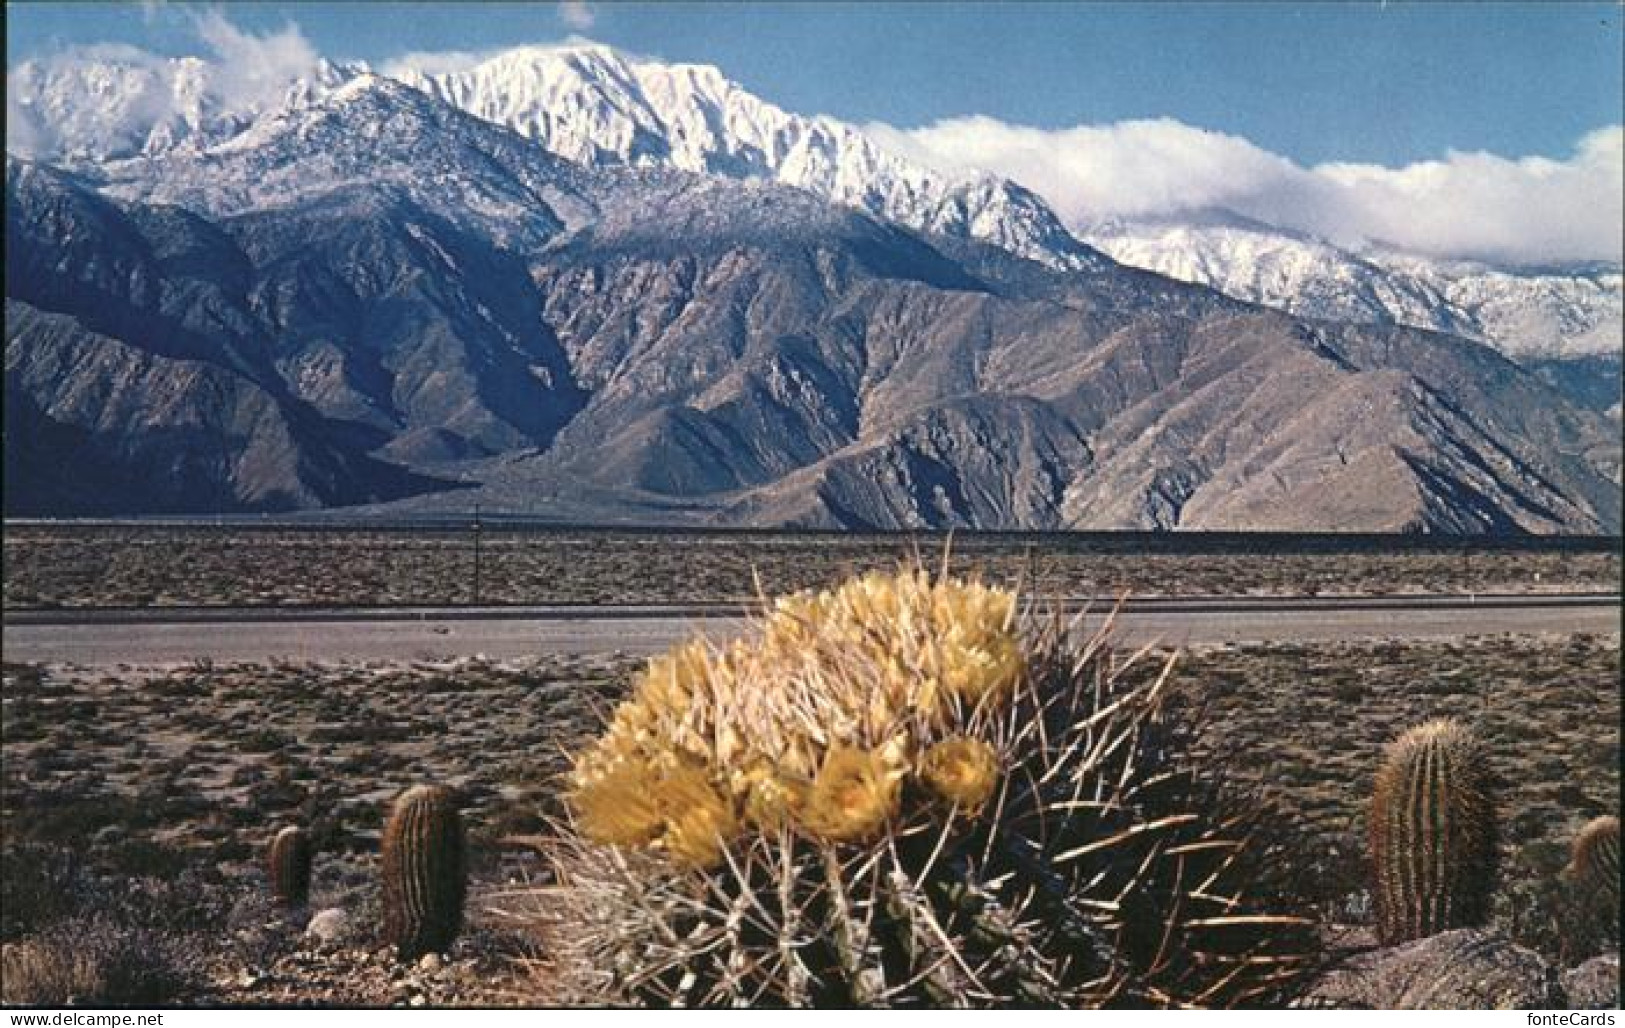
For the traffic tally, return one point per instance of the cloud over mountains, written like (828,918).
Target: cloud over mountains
(1468,205)
(250,70)
(1519,210)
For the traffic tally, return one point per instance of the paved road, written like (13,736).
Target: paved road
(162,636)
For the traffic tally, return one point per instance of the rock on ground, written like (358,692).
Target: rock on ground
(330,925)
(1594,985)
(1466,969)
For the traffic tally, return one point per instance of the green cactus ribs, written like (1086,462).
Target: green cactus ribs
(1432,834)
(289,864)
(1590,920)
(424,871)
(893,795)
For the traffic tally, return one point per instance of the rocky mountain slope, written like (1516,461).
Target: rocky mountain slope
(369,294)
(603,108)
(1117,401)
(1566,323)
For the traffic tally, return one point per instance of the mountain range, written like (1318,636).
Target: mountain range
(1564,323)
(568,282)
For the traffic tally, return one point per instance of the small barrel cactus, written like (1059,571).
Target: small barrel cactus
(424,869)
(288,863)
(1591,918)
(1432,830)
(891,795)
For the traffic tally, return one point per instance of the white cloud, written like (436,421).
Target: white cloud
(25,136)
(41,116)
(105,99)
(1475,205)
(577,14)
(251,71)
(439,62)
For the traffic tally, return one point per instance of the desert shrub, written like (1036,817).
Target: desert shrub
(93,961)
(1350,690)
(892,795)
(22,678)
(73,815)
(143,858)
(37,887)
(1530,902)
(135,883)
(264,740)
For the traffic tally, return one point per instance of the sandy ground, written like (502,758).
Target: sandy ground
(144,566)
(167,782)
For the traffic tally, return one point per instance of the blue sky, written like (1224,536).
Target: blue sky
(1479,130)
(1381,83)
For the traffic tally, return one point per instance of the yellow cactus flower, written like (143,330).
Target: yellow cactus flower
(772,799)
(854,795)
(975,672)
(815,720)
(961,770)
(671,679)
(697,837)
(700,821)
(619,807)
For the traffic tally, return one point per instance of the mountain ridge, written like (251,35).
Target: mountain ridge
(601,108)
(1572,312)
(402,302)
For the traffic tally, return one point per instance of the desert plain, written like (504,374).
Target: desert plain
(137,801)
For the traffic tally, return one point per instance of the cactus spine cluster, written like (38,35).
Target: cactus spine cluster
(1432,834)
(289,862)
(890,796)
(424,871)
(1591,922)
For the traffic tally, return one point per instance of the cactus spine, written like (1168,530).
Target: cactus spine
(907,800)
(289,863)
(1591,924)
(1432,834)
(424,871)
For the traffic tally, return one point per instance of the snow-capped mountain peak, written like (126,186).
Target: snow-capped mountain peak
(368,133)
(601,107)
(585,102)
(1551,313)
(595,105)
(110,102)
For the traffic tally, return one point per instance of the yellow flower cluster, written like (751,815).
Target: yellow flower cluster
(815,722)
(855,793)
(961,769)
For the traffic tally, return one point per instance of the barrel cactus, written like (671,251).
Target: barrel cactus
(1432,830)
(1591,918)
(289,863)
(891,795)
(424,870)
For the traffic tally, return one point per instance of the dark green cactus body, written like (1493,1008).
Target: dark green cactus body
(1432,834)
(424,871)
(289,864)
(1591,920)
